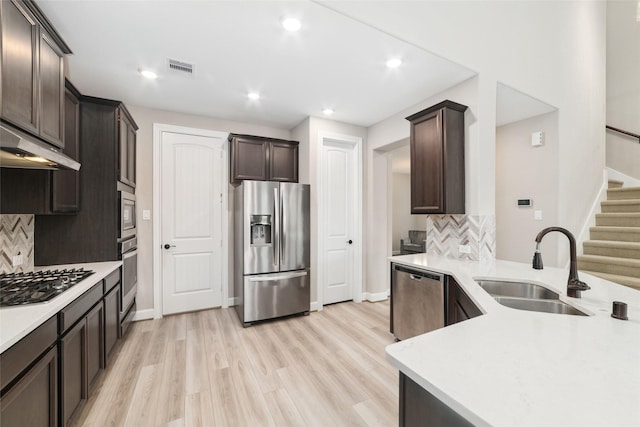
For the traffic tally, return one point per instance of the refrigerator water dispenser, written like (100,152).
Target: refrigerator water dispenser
(261,230)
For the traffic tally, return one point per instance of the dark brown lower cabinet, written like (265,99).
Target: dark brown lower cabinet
(459,305)
(111,320)
(95,342)
(46,377)
(33,400)
(73,371)
(418,407)
(81,359)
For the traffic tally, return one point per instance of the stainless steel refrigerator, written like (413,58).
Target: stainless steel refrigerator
(271,250)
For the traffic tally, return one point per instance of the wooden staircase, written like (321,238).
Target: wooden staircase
(613,252)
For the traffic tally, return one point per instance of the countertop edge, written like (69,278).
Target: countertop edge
(409,358)
(23,320)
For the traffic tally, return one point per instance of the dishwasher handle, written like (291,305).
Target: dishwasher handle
(420,274)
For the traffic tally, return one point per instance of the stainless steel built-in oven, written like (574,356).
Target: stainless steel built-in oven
(129,282)
(127,217)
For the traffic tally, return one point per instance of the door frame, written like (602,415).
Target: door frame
(356,143)
(158,129)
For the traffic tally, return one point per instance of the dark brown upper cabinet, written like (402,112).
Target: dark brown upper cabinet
(33,87)
(46,192)
(437,159)
(263,159)
(65,184)
(127,147)
(100,156)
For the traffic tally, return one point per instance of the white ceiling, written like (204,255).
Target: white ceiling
(513,106)
(240,46)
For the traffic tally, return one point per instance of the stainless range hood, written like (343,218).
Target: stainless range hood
(20,150)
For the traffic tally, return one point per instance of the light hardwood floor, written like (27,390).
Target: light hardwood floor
(205,369)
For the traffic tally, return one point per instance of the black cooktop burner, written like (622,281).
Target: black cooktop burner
(38,286)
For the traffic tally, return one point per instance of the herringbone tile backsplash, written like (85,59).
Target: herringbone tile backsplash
(445,233)
(16,238)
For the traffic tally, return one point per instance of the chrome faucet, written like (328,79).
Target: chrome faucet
(574,285)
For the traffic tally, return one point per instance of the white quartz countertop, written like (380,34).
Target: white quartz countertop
(18,321)
(520,368)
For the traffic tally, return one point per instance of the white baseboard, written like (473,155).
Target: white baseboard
(144,314)
(366,296)
(590,219)
(232,301)
(375,297)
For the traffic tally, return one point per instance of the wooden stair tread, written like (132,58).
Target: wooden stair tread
(614,183)
(620,214)
(632,282)
(621,202)
(609,260)
(625,193)
(624,189)
(612,244)
(615,229)
(618,219)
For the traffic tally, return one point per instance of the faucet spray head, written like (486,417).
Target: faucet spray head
(537,258)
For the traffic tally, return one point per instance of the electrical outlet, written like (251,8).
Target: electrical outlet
(146,214)
(464,249)
(537,215)
(17,260)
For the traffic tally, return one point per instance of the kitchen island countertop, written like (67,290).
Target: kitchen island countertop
(18,321)
(511,367)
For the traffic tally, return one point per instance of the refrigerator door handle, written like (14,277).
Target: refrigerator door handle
(283,229)
(276,238)
(275,277)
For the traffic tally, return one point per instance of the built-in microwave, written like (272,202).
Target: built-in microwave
(127,226)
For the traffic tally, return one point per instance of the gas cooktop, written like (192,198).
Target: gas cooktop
(38,286)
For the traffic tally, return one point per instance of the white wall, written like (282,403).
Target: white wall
(145,118)
(552,51)
(623,86)
(527,172)
(386,136)
(402,219)
(307,133)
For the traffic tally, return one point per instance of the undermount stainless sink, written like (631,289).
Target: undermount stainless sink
(515,289)
(526,296)
(545,306)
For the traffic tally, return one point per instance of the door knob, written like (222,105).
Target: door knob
(167,246)
(350,242)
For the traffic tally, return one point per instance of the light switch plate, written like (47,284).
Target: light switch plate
(537,139)
(537,215)
(146,214)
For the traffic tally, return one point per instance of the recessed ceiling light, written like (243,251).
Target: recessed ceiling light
(327,111)
(148,74)
(253,95)
(291,24)
(394,63)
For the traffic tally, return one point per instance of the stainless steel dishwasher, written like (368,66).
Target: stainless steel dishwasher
(417,301)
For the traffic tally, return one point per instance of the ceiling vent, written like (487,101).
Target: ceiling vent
(179,67)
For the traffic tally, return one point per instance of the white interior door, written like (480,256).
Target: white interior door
(191,229)
(338,206)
